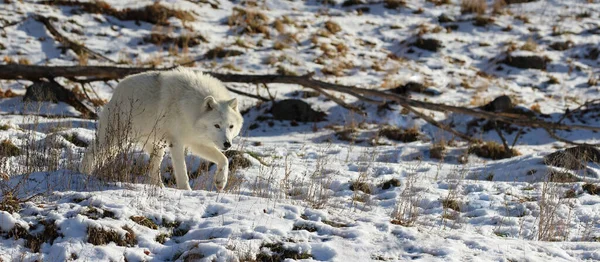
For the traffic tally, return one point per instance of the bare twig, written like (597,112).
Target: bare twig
(439,125)
(506,147)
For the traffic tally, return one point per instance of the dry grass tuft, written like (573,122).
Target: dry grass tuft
(101,236)
(250,21)
(405,135)
(333,27)
(360,186)
(8,149)
(536,108)
(437,151)
(144,221)
(530,45)
(473,6)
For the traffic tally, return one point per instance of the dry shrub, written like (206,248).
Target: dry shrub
(473,6)
(498,6)
(250,21)
(360,186)
(449,203)
(24,61)
(437,151)
(10,203)
(530,45)
(154,14)
(492,150)
(407,210)
(337,67)
(8,149)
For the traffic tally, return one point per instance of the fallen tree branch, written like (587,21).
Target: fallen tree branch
(78,48)
(439,125)
(33,72)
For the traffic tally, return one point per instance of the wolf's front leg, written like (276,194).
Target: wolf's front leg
(178,157)
(212,154)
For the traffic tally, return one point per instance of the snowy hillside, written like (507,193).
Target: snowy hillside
(386,186)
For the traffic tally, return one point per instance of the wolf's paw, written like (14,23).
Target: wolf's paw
(221,178)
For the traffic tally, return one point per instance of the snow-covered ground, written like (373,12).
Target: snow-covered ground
(307,193)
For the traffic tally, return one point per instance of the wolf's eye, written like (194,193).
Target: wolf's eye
(217,126)
(231,126)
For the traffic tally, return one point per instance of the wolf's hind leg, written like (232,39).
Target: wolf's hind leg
(179,167)
(212,154)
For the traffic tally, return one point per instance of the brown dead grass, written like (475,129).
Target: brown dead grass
(473,6)
(333,27)
(154,14)
(249,21)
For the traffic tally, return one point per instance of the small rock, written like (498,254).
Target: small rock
(444,18)
(499,104)
(298,110)
(390,183)
(574,158)
(41,92)
(429,44)
(416,88)
(526,62)
(561,46)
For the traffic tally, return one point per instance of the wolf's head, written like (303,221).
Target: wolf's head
(221,121)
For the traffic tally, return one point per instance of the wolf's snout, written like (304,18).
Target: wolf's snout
(226,145)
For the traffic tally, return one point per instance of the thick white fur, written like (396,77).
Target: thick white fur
(180,109)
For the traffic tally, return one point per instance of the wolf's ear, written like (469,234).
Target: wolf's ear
(210,103)
(233,104)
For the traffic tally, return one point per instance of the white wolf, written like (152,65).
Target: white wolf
(179,108)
